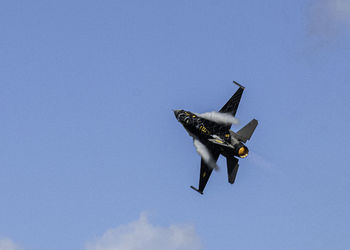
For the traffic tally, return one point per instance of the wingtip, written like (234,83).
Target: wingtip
(238,84)
(196,190)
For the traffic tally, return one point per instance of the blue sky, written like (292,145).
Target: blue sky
(89,142)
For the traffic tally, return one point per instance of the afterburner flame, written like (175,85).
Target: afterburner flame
(243,152)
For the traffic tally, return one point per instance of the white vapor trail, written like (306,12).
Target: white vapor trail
(205,154)
(223,118)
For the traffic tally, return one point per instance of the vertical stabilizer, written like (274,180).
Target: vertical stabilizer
(245,133)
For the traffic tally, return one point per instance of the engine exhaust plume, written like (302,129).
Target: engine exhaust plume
(223,118)
(205,154)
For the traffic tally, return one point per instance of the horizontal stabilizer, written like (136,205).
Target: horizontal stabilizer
(232,168)
(245,133)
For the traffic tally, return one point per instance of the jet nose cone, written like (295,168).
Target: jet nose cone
(176,113)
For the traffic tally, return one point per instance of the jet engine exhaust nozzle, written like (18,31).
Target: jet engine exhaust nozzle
(243,152)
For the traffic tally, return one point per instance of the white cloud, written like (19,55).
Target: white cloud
(340,9)
(327,16)
(142,235)
(7,244)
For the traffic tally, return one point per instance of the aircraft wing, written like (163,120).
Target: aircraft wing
(205,173)
(232,105)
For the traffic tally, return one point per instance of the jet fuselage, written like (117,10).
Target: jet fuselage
(212,134)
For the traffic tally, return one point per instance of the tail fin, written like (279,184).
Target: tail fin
(245,133)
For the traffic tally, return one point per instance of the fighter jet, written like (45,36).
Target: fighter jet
(212,136)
